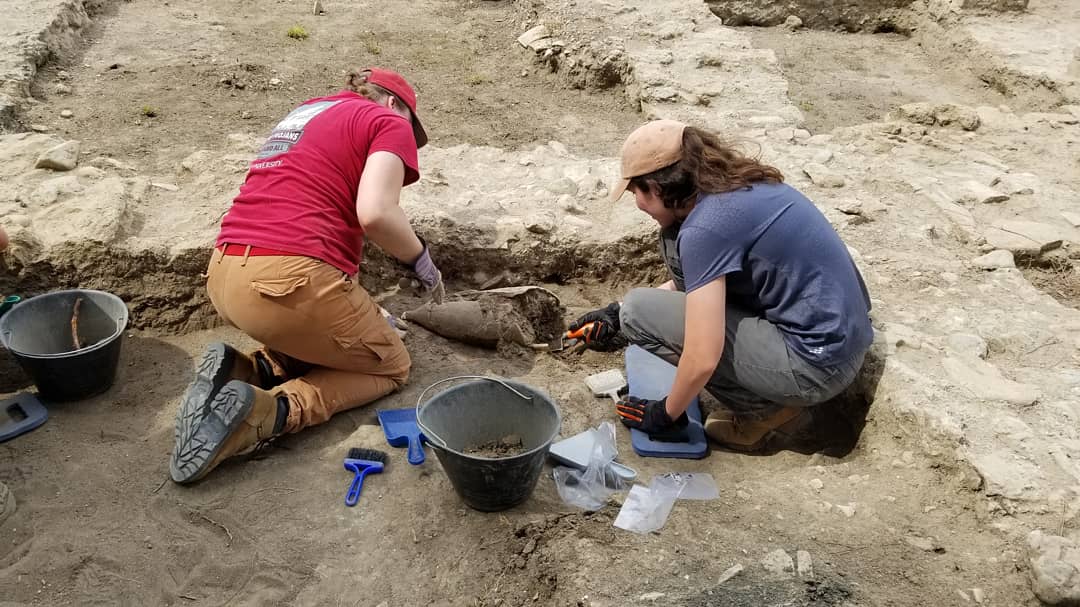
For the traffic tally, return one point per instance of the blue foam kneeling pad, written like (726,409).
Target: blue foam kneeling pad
(651,377)
(20,414)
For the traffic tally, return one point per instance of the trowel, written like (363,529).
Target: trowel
(572,339)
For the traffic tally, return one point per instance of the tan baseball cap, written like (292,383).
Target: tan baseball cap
(654,145)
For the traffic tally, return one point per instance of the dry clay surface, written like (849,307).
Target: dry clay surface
(971,442)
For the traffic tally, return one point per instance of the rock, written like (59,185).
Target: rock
(793,22)
(63,157)
(540,223)
(816,484)
(105,162)
(17,219)
(651,596)
(848,511)
(993,260)
(742,494)
(805,566)
(168,187)
(564,185)
(779,563)
(62,89)
(822,176)
(1072,218)
(1016,183)
(822,156)
(942,115)
(317,8)
(531,38)
(67,114)
(973,192)
(39,128)
(1055,569)
(978,595)
(1026,238)
(966,344)
(530,546)
(785,134)
(729,573)
(922,543)
(986,382)
(850,207)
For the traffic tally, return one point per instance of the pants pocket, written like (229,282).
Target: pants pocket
(279,287)
(362,337)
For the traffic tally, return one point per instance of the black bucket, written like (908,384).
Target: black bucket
(38,332)
(485,411)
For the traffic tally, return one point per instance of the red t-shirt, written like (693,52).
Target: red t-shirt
(299,196)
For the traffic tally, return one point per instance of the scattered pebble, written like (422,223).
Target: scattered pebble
(778,562)
(39,128)
(729,573)
(822,176)
(63,157)
(275,82)
(805,565)
(67,114)
(848,510)
(742,495)
(651,596)
(168,187)
(816,484)
(793,22)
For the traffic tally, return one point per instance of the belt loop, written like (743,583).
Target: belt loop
(220,252)
(247,253)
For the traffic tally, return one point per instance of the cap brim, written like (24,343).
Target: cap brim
(418,132)
(619,189)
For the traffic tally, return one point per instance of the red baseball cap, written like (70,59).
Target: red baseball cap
(398,87)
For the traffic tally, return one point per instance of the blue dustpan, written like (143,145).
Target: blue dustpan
(399,426)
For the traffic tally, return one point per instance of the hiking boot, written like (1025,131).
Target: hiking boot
(743,433)
(239,418)
(220,364)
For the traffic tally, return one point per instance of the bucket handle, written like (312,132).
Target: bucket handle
(431,435)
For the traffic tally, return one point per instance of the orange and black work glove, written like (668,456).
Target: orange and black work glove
(601,329)
(651,417)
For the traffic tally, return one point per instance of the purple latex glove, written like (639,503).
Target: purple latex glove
(429,275)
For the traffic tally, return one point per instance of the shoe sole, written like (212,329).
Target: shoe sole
(201,430)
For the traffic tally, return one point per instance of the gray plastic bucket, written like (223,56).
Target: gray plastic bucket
(486,410)
(38,334)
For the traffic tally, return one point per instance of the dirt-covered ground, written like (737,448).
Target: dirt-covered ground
(902,520)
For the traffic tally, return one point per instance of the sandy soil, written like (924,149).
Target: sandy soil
(892,523)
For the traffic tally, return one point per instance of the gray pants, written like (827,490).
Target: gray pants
(757,374)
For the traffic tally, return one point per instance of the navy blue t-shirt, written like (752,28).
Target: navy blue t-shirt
(784,261)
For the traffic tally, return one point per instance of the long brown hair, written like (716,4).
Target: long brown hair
(708,166)
(357,82)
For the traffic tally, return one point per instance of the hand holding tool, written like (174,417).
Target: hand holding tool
(599,329)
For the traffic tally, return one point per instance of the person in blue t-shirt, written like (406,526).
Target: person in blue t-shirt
(765,308)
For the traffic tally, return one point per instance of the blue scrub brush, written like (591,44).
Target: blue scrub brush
(362,462)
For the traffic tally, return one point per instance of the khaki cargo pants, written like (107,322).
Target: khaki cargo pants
(321,331)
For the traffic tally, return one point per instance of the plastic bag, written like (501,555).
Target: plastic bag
(695,485)
(590,488)
(646,509)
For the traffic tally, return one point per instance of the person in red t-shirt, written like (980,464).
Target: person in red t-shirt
(284,271)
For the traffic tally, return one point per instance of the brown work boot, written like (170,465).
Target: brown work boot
(221,364)
(743,433)
(238,418)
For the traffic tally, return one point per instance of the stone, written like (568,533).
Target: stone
(922,543)
(985,381)
(966,344)
(779,563)
(63,157)
(67,114)
(994,260)
(564,185)
(651,596)
(39,128)
(742,494)
(919,113)
(540,223)
(729,573)
(1055,568)
(850,207)
(822,176)
(22,221)
(949,114)
(275,82)
(531,38)
(793,22)
(1072,218)
(804,565)
(168,187)
(1016,184)
(973,192)
(978,595)
(816,484)
(822,156)
(62,89)
(1022,237)
(317,8)
(848,510)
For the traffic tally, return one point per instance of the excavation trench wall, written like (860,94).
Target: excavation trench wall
(849,15)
